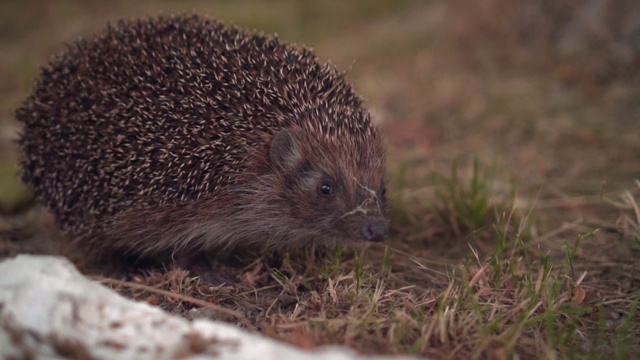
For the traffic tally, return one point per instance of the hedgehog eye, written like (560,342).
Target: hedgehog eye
(326,189)
(383,192)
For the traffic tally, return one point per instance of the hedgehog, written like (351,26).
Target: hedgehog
(180,133)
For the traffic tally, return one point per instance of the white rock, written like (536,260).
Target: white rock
(48,310)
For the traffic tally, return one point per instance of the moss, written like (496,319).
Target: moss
(14,195)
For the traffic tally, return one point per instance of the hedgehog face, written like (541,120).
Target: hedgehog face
(331,188)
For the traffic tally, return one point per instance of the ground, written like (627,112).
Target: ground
(513,136)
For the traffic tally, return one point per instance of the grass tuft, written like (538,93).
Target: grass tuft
(462,206)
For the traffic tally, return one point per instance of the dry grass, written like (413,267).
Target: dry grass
(514,298)
(513,166)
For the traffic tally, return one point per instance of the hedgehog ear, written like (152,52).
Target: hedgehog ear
(284,151)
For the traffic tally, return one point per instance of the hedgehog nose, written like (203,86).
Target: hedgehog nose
(375,230)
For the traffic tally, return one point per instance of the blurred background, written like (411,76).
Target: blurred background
(547,91)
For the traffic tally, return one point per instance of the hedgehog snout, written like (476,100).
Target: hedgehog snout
(375,230)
